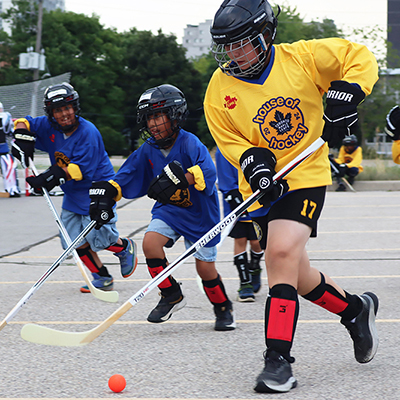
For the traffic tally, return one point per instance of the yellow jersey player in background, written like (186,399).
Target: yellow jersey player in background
(264,107)
(348,162)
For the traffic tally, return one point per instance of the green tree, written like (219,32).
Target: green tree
(152,60)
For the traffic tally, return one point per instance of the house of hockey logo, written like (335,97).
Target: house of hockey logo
(230,102)
(281,122)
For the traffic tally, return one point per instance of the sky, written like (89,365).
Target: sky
(172,16)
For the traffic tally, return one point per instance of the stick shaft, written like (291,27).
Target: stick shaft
(35,333)
(45,276)
(229,219)
(105,296)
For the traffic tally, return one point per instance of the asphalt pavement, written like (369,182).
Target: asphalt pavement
(358,244)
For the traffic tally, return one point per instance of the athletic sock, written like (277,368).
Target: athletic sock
(255,259)
(281,314)
(86,256)
(326,296)
(242,265)
(215,292)
(169,285)
(117,248)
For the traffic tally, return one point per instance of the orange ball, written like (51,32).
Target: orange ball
(117,383)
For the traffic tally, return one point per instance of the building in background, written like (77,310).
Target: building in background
(393,25)
(197,39)
(49,5)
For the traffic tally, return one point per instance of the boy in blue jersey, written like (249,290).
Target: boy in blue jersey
(176,169)
(242,232)
(78,158)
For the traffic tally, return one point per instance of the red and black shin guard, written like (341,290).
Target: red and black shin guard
(117,248)
(86,256)
(215,292)
(168,286)
(326,296)
(281,314)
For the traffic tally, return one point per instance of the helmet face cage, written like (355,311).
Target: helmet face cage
(167,101)
(58,96)
(251,60)
(242,35)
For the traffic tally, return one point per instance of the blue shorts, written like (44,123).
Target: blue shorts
(207,254)
(98,239)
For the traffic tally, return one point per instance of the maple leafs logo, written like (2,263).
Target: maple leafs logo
(230,102)
(282,123)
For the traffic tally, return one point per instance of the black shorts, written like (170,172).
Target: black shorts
(243,230)
(303,205)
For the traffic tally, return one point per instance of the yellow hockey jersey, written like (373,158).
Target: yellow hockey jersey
(352,160)
(283,109)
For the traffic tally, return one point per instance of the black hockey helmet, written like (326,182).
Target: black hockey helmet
(166,99)
(61,95)
(235,24)
(350,140)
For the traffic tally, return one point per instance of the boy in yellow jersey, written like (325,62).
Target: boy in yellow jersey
(348,162)
(392,130)
(264,107)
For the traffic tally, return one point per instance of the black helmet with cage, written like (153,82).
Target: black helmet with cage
(165,99)
(236,24)
(61,95)
(350,140)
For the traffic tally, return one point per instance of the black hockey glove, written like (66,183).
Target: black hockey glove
(340,114)
(392,127)
(164,186)
(258,166)
(23,146)
(233,198)
(102,195)
(52,177)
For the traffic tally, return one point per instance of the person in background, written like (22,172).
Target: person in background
(78,157)
(348,162)
(7,161)
(249,269)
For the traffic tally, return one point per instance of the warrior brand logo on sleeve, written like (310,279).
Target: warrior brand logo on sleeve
(97,192)
(341,96)
(281,122)
(246,162)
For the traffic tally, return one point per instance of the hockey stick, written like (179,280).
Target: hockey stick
(4,194)
(110,296)
(43,335)
(44,277)
(342,177)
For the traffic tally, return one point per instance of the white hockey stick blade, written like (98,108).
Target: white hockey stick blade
(48,336)
(110,296)
(349,185)
(45,276)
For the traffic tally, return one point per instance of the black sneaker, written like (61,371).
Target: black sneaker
(341,188)
(225,320)
(277,375)
(166,307)
(363,330)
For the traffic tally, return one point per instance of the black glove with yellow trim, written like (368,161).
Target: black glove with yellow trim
(23,146)
(164,185)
